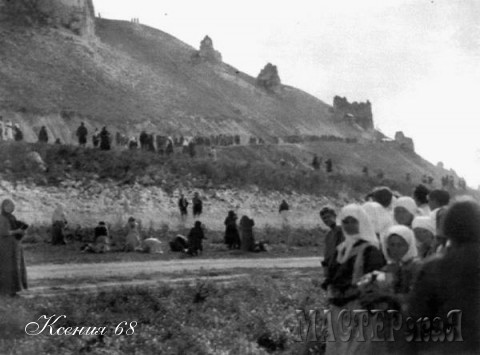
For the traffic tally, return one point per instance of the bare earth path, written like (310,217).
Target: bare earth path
(101,276)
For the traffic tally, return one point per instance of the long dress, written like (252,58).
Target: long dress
(133,238)
(232,238)
(13,273)
(246,233)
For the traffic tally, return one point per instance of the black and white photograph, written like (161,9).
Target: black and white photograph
(187,177)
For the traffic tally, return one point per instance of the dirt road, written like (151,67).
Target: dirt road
(54,278)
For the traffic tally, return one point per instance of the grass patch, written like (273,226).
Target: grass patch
(255,316)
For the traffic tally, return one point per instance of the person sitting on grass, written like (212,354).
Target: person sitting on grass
(151,246)
(101,240)
(179,244)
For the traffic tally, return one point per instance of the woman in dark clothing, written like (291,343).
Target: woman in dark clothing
(43,135)
(13,273)
(232,238)
(452,282)
(356,256)
(197,205)
(104,139)
(246,233)
(195,238)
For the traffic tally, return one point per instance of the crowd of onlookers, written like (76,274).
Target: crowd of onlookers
(416,254)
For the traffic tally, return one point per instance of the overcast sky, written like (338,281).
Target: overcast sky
(417,61)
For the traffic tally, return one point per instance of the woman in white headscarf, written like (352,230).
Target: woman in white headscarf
(380,217)
(424,231)
(359,254)
(405,210)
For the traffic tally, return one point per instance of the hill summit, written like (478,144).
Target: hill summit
(61,66)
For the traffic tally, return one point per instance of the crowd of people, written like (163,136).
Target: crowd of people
(418,255)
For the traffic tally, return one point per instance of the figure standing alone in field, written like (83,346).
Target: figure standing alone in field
(132,241)
(183,207)
(197,205)
(284,211)
(43,135)
(18,134)
(329,165)
(246,233)
(13,273)
(232,238)
(82,133)
(315,162)
(59,221)
(105,139)
(96,138)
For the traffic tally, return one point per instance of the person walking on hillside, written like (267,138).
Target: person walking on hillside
(183,207)
(213,154)
(232,238)
(105,139)
(59,221)
(329,165)
(43,135)
(197,205)
(246,233)
(13,273)
(315,162)
(96,138)
(284,211)
(82,133)
(18,134)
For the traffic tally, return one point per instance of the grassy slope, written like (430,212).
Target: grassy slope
(237,166)
(138,77)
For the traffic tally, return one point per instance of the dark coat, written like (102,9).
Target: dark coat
(332,239)
(340,276)
(195,238)
(43,135)
(448,283)
(232,237)
(197,206)
(104,140)
(246,233)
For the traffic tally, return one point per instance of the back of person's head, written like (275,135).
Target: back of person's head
(383,195)
(462,222)
(420,194)
(101,223)
(198,224)
(131,219)
(327,211)
(438,198)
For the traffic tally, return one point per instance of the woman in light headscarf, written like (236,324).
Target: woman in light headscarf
(405,210)
(400,251)
(380,217)
(424,231)
(13,274)
(59,221)
(358,255)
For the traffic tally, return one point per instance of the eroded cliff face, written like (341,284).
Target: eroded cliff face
(77,16)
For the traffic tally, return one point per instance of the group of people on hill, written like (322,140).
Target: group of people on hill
(415,254)
(10,131)
(317,162)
